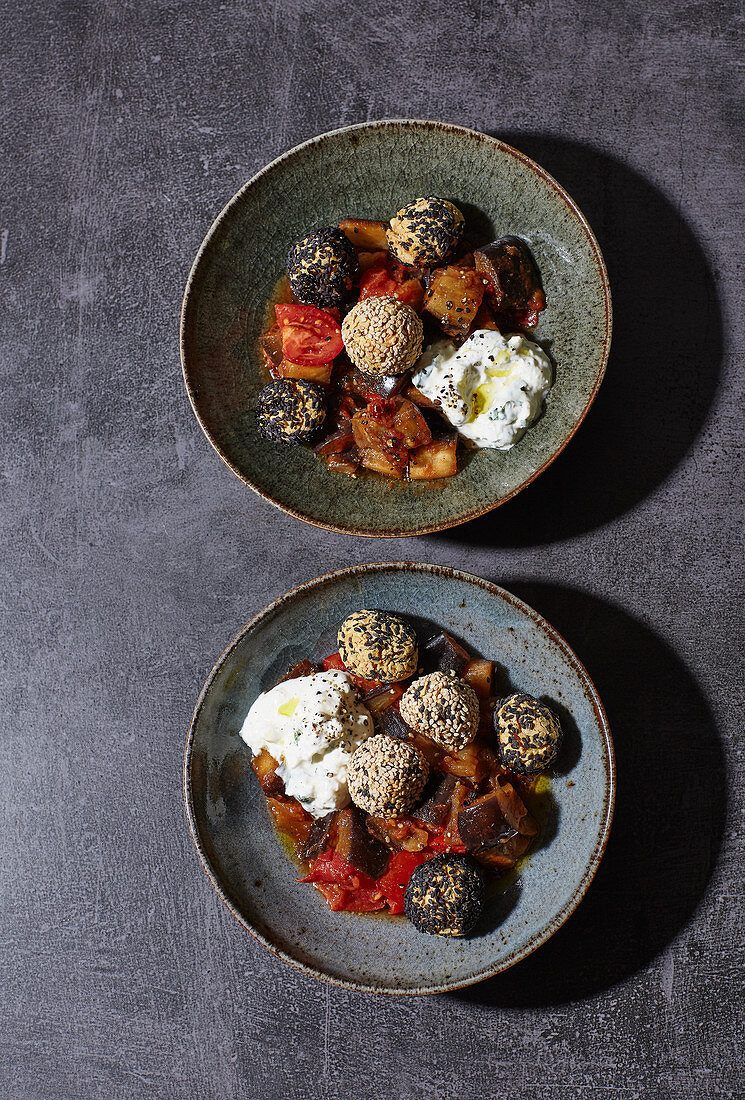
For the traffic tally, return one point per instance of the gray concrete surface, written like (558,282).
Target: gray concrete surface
(131,555)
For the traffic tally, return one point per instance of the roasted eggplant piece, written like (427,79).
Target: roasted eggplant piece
(337,441)
(265,769)
(302,668)
(382,385)
(311,372)
(513,808)
(453,298)
(381,699)
(480,675)
(365,234)
(482,824)
(513,284)
(357,846)
(409,422)
(434,460)
(444,654)
(347,463)
(392,724)
(320,836)
(435,808)
(505,854)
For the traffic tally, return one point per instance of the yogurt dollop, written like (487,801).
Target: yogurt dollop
(311,726)
(490,388)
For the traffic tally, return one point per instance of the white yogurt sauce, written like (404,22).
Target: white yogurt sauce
(311,726)
(490,388)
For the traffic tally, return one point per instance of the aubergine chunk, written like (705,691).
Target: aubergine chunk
(482,824)
(392,724)
(511,276)
(358,846)
(382,385)
(436,805)
(443,654)
(505,854)
(320,835)
(302,668)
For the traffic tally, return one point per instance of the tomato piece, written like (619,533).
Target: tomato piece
(394,882)
(335,663)
(384,278)
(377,280)
(364,901)
(330,867)
(441,842)
(309,335)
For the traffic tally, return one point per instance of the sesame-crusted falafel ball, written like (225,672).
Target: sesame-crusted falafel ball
(445,895)
(529,734)
(443,708)
(322,267)
(382,335)
(378,646)
(290,410)
(386,777)
(424,231)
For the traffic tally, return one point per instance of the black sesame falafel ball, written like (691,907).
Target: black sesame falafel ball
(445,895)
(322,268)
(291,410)
(424,231)
(529,734)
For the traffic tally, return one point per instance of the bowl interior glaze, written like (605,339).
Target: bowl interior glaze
(370,171)
(256,879)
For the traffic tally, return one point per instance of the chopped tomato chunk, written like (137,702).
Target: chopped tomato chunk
(385,278)
(396,879)
(309,335)
(335,663)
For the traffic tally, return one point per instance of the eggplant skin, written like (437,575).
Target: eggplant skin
(319,836)
(443,654)
(436,805)
(356,844)
(511,274)
(482,824)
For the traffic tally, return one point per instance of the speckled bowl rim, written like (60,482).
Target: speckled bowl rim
(430,124)
(553,635)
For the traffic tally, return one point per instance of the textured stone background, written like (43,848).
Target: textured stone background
(131,555)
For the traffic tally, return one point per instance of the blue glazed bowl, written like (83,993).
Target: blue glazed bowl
(370,171)
(255,878)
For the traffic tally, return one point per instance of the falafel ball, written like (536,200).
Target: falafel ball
(445,895)
(442,707)
(529,734)
(322,268)
(424,231)
(291,410)
(382,335)
(378,646)
(386,776)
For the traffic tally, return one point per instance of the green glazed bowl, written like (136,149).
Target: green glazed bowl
(241,853)
(370,171)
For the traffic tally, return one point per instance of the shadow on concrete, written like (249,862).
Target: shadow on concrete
(664,362)
(669,817)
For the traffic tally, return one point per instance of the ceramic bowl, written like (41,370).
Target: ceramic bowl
(370,171)
(257,880)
